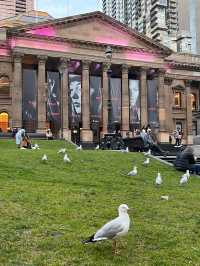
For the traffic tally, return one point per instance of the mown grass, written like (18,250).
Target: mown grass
(46,209)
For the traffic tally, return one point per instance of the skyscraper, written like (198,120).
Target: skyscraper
(11,8)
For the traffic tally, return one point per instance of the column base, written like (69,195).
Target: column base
(67,134)
(164,137)
(189,139)
(86,135)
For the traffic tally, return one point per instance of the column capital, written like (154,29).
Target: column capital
(42,57)
(106,66)
(86,64)
(188,83)
(18,57)
(161,71)
(168,81)
(144,68)
(64,61)
(125,69)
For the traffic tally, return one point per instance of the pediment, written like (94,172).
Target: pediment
(95,27)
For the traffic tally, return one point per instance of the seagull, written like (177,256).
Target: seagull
(36,146)
(158,180)
(44,158)
(125,150)
(66,159)
(79,148)
(133,172)
(184,179)
(146,162)
(63,150)
(97,147)
(147,153)
(113,229)
(165,197)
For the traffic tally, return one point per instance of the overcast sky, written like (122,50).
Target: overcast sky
(63,8)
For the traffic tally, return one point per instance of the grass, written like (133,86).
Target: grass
(46,209)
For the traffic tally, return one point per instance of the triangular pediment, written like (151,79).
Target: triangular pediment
(94,27)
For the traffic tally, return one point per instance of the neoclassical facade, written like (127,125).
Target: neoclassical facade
(57,74)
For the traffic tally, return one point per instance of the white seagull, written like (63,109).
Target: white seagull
(44,158)
(66,159)
(133,172)
(97,147)
(63,150)
(158,179)
(165,197)
(125,150)
(147,153)
(185,177)
(35,147)
(113,229)
(146,162)
(79,148)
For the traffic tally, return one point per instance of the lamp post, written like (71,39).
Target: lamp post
(108,55)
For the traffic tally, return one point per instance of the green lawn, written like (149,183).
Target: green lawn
(47,209)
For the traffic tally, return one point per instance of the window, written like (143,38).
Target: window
(3,122)
(177,99)
(4,86)
(194,101)
(194,128)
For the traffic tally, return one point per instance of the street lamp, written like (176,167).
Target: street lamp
(61,70)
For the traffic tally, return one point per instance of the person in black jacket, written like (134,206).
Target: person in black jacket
(185,160)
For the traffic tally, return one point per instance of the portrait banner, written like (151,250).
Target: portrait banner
(134,97)
(29,92)
(95,99)
(53,99)
(74,100)
(152,100)
(115,100)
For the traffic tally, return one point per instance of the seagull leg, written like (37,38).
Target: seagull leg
(114,247)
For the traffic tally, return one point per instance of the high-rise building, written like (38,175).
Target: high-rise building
(11,8)
(158,19)
(189,20)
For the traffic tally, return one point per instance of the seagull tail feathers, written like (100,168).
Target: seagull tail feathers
(89,240)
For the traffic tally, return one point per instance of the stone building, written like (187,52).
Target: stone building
(56,74)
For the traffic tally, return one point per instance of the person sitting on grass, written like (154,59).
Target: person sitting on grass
(185,160)
(26,142)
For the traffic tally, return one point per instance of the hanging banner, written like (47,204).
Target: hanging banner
(95,99)
(134,94)
(74,100)
(114,114)
(29,92)
(152,100)
(53,99)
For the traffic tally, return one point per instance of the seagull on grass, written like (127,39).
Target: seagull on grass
(66,159)
(125,150)
(184,179)
(35,147)
(44,158)
(147,153)
(113,229)
(158,181)
(63,150)
(97,147)
(79,148)
(146,162)
(133,172)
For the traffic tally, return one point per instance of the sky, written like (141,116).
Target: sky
(64,8)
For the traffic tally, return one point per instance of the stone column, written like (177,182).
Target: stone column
(143,96)
(42,97)
(86,132)
(17,91)
(66,133)
(169,103)
(188,112)
(106,66)
(162,115)
(125,101)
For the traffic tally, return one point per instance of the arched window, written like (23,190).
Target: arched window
(4,119)
(4,86)
(194,101)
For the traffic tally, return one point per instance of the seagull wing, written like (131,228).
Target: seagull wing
(109,230)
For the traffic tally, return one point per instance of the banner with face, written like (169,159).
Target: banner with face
(53,99)
(134,96)
(95,99)
(115,99)
(152,101)
(75,100)
(29,92)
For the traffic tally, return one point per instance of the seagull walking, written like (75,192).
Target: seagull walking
(44,158)
(79,148)
(147,153)
(133,172)
(184,179)
(66,159)
(97,147)
(146,162)
(158,181)
(165,197)
(63,150)
(113,229)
